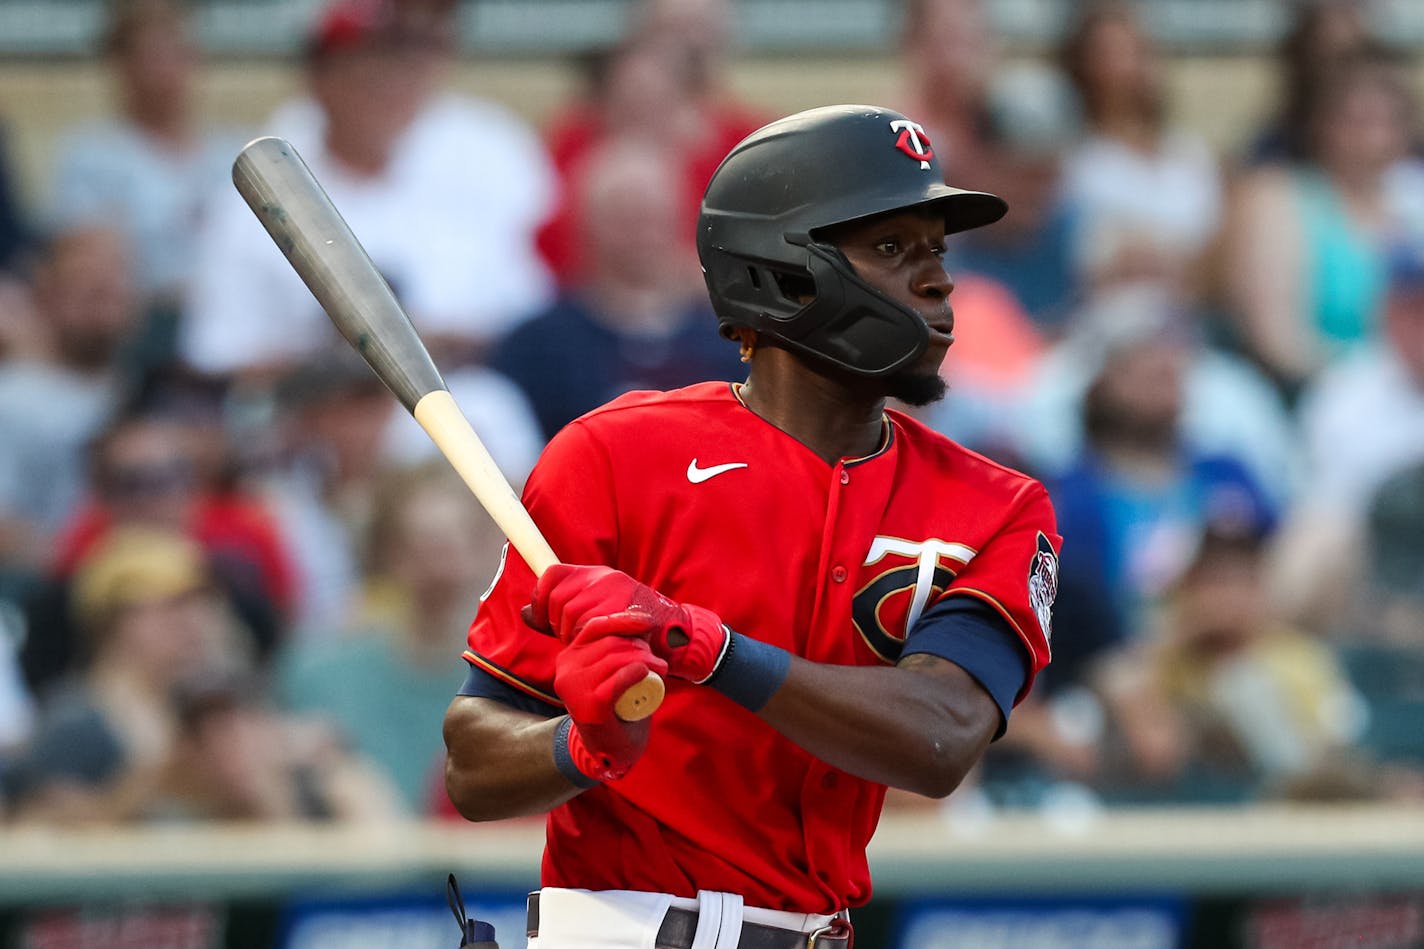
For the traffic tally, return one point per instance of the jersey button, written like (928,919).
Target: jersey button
(838,573)
(829,781)
(845,476)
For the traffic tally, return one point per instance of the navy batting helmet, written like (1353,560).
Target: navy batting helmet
(760,231)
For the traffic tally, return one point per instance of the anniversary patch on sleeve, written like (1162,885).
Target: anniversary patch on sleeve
(1043,584)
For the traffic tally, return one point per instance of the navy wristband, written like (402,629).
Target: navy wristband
(751,671)
(564,761)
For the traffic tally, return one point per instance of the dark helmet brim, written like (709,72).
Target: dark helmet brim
(962,210)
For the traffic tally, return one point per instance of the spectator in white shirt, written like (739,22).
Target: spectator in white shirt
(1363,421)
(1229,408)
(1147,194)
(148,170)
(16,705)
(445,194)
(57,393)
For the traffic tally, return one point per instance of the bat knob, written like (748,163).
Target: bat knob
(640,700)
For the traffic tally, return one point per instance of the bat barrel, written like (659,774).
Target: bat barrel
(281,190)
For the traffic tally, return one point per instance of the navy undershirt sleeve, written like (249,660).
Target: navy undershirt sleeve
(481,685)
(969,633)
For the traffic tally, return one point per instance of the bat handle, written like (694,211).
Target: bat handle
(641,700)
(440,416)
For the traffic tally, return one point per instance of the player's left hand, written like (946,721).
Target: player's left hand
(588,602)
(590,673)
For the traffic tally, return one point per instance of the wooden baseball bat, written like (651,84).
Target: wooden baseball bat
(290,203)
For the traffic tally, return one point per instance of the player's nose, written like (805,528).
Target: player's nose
(932,280)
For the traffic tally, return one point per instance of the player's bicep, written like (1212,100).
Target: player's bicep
(973,637)
(484,743)
(476,725)
(480,683)
(964,697)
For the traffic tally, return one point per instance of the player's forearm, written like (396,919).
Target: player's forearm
(920,726)
(500,761)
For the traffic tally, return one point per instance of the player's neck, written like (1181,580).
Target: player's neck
(835,417)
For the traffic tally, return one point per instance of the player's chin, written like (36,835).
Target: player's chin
(916,387)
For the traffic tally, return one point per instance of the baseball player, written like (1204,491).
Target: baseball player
(839,598)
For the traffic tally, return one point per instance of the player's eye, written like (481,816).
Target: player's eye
(887,247)
(938,250)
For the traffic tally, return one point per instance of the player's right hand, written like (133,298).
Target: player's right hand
(590,674)
(567,596)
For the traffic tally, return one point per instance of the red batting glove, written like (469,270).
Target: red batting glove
(567,596)
(590,674)
(576,602)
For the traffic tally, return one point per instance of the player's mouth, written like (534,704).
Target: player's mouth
(941,331)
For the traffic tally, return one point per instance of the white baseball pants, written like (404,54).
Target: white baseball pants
(629,919)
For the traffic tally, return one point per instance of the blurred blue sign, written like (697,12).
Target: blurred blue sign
(402,921)
(1152,922)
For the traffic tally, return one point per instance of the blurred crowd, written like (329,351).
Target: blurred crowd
(235,578)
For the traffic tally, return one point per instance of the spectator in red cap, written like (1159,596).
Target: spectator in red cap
(444,192)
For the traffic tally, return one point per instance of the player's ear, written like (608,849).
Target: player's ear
(747,338)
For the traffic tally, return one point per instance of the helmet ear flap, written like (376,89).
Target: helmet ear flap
(757,294)
(853,325)
(825,311)
(794,289)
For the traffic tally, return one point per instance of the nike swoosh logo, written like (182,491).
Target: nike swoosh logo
(698,475)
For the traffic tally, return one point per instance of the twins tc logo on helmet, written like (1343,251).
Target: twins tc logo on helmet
(913,574)
(913,141)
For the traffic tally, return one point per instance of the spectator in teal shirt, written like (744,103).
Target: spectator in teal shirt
(386,680)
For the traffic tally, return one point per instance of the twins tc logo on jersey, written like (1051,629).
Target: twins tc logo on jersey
(912,574)
(1043,584)
(913,141)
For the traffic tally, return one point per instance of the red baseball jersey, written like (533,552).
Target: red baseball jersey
(696,495)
